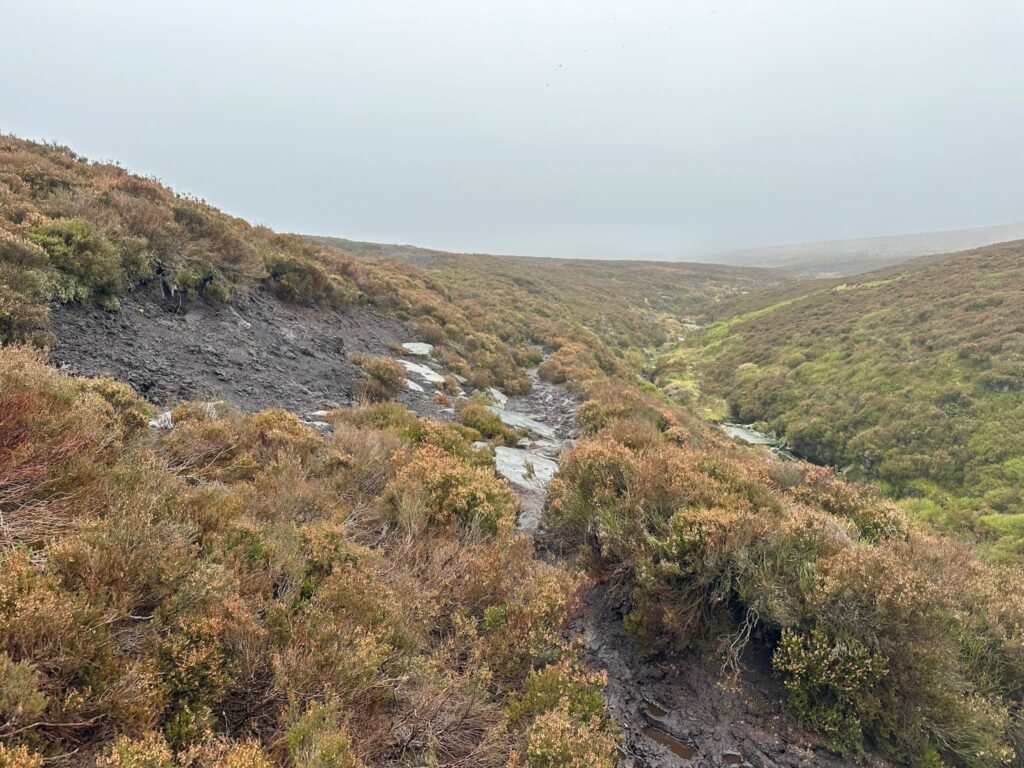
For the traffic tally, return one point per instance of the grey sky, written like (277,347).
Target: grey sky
(580,128)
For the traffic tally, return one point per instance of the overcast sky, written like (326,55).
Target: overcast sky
(581,128)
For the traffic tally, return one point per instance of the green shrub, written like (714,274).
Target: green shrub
(384,380)
(88,263)
(559,739)
(194,280)
(318,740)
(26,280)
(487,423)
(456,492)
(301,281)
(562,684)
(832,686)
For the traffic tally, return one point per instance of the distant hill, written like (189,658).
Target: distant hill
(850,257)
(413,254)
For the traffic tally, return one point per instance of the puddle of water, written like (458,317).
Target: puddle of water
(677,747)
(732,758)
(655,711)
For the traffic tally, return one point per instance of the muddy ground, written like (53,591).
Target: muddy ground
(257,353)
(680,712)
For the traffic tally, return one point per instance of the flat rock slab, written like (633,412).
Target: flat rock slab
(529,474)
(427,374)
(418,348)
(519,420)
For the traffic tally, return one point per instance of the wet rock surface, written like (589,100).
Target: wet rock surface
(677,712)
(257,353)
(548,412)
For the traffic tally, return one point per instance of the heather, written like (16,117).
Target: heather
(242,590)
(886,639)
(910,377)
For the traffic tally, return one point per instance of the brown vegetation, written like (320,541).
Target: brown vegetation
(243,591)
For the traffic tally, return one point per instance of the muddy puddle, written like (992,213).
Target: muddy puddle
(674,745)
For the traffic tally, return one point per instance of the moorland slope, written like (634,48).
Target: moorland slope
(232,589)
(912,376)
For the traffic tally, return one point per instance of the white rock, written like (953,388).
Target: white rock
(516,419)
(163,421)
(413,386)
(425,373)
(497,396)
(529,474)
(524,468)
(418,348)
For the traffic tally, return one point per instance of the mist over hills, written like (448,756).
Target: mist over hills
(828,258)
(863,254)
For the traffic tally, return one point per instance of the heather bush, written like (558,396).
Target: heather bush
(86,260)
(876,631)
(301,281)
(236,591)
(559,739)
(831,685)
(457,492)
(25,284)
(318,740)
(564,684)
(488,424)
(384,377)
(19,757)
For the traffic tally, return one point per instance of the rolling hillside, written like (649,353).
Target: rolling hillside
(851,257)
(912,376)
(219,584)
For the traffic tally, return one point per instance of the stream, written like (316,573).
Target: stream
(673,711)
(747,433)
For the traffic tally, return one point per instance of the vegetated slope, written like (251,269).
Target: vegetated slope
(912,376)
(81,233)
(240,590)
(851,257)
(622,305)
(413,254)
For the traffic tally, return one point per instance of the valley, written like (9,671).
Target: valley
(269,499)
(910,377)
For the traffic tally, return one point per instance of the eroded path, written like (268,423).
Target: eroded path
(672,711)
